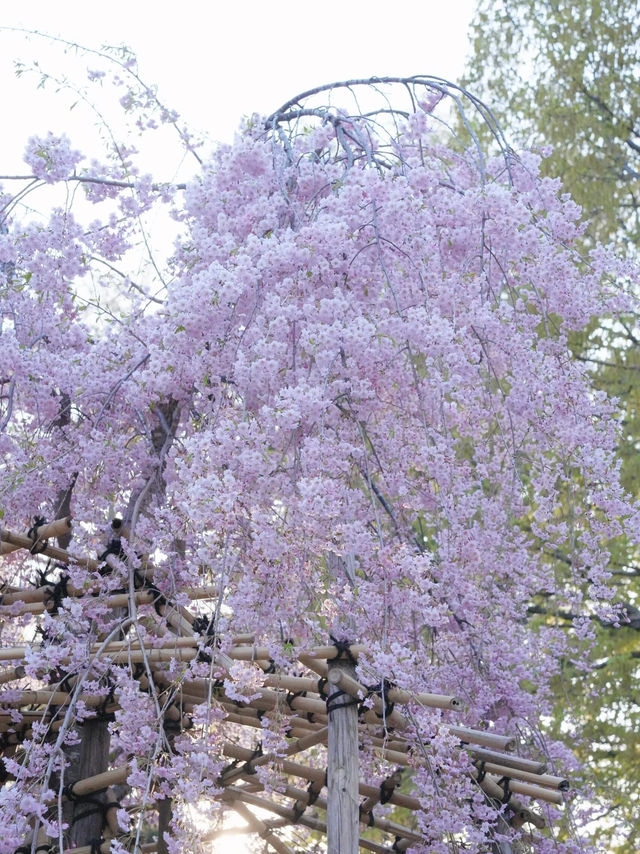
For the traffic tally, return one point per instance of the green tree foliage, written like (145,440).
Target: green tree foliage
(565,76)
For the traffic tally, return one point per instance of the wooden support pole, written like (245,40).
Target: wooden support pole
(343,766)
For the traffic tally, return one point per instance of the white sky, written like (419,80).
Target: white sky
(215,62)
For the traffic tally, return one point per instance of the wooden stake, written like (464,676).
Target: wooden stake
(343,767)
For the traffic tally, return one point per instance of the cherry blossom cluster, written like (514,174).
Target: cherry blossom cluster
(51,158)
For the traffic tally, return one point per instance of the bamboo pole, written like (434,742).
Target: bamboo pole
(297,746)
(50,551)
(233,793)
(259,827)
(316,665)
(105,848)
(47,698)
(38,595)
(98,782)
(486,739)
(386,787)
(490,787)
(395,695)
(12,673)
(296,731)
(57,528)
(302,799)
(507,759)
(546,780)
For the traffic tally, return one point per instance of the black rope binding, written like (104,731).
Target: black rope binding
(114,547)
(58,593)
(32,533)
(45,847)
(204,626)
(387,788)
(503,782)
(291,695)
(96,845)
(332,705)
(206,629)
(344,650)
(482,773)
(96,808)
(248,767)
(313,792)
(227,768)
(159,599)
(67,792)
(42,575)
(382,691)
(298,810)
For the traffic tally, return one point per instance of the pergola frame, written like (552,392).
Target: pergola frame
(327,705)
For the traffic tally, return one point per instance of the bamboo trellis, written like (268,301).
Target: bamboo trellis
(318,692)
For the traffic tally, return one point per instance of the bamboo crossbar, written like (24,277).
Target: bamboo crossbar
(236,653)
(36,601)
(105,848)
(54,552)
(98,782)
(47,698)
(490,787)
(57,528)
(545,780)
(299,745)
(302,797)
(237,793)
(394,695)
(316,775)
(11,674)
(486,739)
(294,732)
(259,827)
(508,759)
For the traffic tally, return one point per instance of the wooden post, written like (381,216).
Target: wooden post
(343,767)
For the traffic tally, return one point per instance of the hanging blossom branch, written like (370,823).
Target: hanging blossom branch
(108,182)
(142,99)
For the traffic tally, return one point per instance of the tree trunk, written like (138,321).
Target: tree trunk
(93,759)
